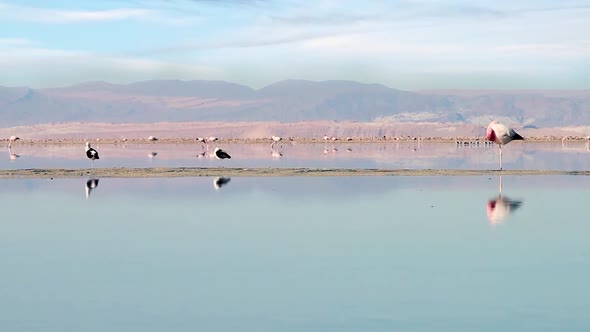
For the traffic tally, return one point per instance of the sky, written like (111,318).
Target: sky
(408,44)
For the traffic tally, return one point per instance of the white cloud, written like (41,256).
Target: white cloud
(4,42)
(51,15)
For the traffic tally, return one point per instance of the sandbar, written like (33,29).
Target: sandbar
(169,172)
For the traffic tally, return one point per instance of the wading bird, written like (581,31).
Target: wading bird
(11,140)
(220,154)
(501,134)
(275,139)
(91,153)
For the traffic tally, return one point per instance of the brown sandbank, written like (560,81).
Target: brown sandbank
(259,172)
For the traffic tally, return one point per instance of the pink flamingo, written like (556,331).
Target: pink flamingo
(501,134)
(12,139)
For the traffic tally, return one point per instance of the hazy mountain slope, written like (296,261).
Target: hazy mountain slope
(287,101)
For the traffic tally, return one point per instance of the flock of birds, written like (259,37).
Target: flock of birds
(496,132)
(497,208)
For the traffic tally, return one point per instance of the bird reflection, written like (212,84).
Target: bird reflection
(12,155)
(500,207)
(91,184)
(220,182)
(274,153)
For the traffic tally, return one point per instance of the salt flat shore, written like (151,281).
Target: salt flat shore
(163,172)
(163,140)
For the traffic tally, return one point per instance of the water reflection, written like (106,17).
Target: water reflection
(220,182)
(548,156)
(500,207)
(91,184)
(12,155)
(274,153)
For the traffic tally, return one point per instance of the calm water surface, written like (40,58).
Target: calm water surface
(295,254)
(516,155)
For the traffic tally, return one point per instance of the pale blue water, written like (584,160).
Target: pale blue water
(518,155)
(294,254)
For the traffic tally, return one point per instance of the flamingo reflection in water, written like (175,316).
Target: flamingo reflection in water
(274,153)
(500,207)
(12,155)
(91,184)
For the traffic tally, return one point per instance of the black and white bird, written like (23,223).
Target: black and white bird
(91,153)
(220,182)
(220,154)
(91,184)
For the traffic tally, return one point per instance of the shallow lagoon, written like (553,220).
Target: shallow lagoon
(295,254)
(547,156)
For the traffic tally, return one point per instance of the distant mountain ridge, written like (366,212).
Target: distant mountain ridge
(287,101)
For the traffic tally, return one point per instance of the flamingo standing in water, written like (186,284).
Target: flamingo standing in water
(11,140)
(275,139)
(501,134)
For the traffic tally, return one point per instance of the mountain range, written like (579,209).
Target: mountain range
(288,101)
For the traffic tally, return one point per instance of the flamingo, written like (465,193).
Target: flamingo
(152,138)
(498,208)
(202,141)
(275,139)
(91,153)
(326,138)
(152,154)
(12,139)
(501,134)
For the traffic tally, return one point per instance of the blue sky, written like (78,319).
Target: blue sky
(410,44)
